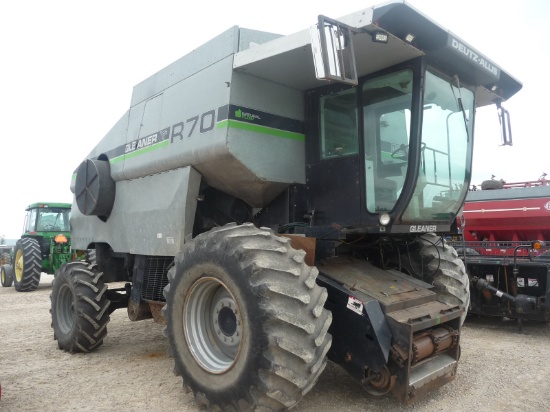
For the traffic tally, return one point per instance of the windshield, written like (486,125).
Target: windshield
(447,138)
(387,104)
(53,220)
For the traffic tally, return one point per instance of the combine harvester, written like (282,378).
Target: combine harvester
(277,200)
(504,229)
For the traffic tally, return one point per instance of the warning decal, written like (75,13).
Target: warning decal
(521,282)
(355,304)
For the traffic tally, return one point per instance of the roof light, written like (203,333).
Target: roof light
(380,37)
(409,38)
(537,245)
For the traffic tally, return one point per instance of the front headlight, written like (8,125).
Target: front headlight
(385,219)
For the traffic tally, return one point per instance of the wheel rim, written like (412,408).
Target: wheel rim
(65,309)
(213,325)
(3,275)
(19,266)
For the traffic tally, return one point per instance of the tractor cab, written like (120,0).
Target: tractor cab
(43,217)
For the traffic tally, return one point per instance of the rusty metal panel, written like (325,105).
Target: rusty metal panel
(156,311)
(307,244)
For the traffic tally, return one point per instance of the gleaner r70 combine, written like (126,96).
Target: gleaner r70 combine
(278,200)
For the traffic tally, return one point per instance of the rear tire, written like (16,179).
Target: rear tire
(438,264)
(79,307)
(5,259)
(27,265)
(246,320)
(6,275)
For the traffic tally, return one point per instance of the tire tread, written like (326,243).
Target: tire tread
(91,307)
(292,303)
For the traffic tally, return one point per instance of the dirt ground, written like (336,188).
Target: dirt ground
(501,369)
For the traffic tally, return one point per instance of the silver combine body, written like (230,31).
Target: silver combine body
(229,114)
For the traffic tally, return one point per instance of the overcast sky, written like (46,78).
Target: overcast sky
(67,69)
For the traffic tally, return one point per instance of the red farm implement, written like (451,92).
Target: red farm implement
(504,233)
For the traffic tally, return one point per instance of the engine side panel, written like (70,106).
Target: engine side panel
(153,215)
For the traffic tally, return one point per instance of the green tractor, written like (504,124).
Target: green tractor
(6,270)
(44,245)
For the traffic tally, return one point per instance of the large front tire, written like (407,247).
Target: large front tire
(27,265)
(6,275)
(79,307)
(246,320)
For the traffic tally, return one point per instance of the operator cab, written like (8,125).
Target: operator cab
(390,150)
(405,149)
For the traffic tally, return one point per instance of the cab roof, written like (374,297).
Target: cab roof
(288,60)
(40,205)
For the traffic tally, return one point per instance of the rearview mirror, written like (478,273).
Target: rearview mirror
(333,54)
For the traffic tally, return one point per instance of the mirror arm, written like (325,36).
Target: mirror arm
(504,119)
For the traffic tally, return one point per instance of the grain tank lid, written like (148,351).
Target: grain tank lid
(225,44)
(220,47)
(289,61)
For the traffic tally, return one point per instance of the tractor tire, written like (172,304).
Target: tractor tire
(27,265)
(438,264)
(246,320)
(6,275)
(5,259)
(79,307)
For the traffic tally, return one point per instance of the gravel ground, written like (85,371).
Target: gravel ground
(500,370)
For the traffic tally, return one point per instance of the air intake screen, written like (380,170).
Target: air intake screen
(156,270)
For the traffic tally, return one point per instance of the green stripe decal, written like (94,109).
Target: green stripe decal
(140,151)
(235,124)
